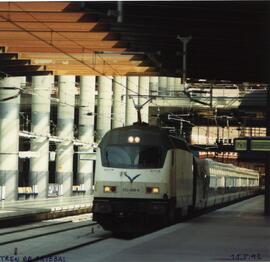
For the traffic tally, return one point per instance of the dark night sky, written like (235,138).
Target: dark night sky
(230,40)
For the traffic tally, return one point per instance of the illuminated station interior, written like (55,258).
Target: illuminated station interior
(72,71)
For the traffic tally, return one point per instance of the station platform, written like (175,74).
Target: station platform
(238,232)
(32,210)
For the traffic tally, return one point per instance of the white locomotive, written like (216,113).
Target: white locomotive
(144,176)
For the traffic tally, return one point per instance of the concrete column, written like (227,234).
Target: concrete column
(132,90)
(39,174)
(153,85)
(178,87)
(119,101)
(86,131)
(162,83)
(104,109)
(170,86)
(9,136)
(144,90)
(65,124)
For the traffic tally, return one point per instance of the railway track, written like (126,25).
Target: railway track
(43,240)
(49,240)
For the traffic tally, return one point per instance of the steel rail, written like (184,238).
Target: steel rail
(46,234)
(33,228)
(39,258)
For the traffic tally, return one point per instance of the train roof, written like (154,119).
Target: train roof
(240,170)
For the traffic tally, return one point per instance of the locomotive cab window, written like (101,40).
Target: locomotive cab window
(138,147)
(132,156)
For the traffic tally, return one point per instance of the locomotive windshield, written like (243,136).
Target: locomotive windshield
(137,146)
(132,156)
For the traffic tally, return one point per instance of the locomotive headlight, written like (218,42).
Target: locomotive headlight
(130,139)
(109,189)
(137,139)
(154,190)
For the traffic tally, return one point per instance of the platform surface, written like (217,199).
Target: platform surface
(239,232)
(27,209)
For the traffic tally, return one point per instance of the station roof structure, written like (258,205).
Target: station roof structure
(230,40)
(59,38)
